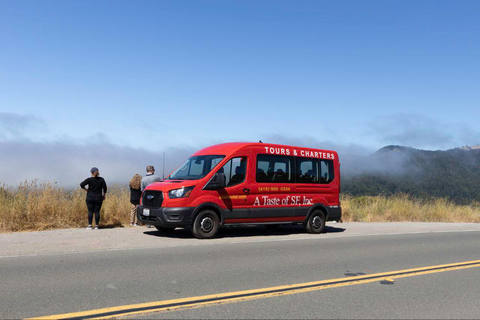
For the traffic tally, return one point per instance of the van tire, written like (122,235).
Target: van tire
(205,225)
(316,222)
(164,229)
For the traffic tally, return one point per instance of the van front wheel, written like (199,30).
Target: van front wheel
(205,225)
(316,222)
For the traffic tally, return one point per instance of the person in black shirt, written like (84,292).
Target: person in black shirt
(97,189)
(135,195)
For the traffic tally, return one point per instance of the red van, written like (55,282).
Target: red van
(246,183)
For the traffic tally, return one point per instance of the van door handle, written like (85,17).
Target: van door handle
(246,190)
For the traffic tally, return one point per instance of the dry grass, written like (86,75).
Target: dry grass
(42,206)
(405,208)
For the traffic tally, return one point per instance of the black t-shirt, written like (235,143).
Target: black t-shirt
(135,195)
(95,186)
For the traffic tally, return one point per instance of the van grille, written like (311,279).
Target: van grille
(152,199)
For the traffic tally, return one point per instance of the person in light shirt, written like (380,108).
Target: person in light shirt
(149,178)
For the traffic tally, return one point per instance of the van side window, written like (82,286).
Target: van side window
(234,171)
(274,169)
(310,170)
(307,170)
(326,171)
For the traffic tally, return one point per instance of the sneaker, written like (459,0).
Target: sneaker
(131,224)
(135,225)
(149,225)
(96,228)
(89,227)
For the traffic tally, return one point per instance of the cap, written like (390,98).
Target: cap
(94,169)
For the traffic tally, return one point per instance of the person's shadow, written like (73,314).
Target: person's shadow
(112,225)
(241,231)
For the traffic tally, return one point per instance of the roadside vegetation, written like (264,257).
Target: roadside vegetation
(35,206)
(402,207)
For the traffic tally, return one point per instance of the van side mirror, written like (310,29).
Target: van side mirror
(217,182)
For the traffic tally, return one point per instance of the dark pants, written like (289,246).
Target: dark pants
(94,205)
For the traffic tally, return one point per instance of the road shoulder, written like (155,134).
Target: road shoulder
(82,240)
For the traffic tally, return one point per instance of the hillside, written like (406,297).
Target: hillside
(452,174)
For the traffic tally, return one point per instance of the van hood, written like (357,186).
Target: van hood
(168,185)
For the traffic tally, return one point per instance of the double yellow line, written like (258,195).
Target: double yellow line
(229,297)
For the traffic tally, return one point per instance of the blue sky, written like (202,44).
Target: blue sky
(179,75)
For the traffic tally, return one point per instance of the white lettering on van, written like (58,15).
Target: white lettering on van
(296,200)
(273,202)
(307,201)
(302,153)
(286,201)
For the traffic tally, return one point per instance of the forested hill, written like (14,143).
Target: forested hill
(453,174)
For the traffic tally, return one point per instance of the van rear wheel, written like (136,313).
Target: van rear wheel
(316,222)
(205,225)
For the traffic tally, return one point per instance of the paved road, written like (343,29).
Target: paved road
(54,272)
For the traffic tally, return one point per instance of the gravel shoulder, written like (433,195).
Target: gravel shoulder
(82,240)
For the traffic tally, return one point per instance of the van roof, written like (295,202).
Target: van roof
(231,147)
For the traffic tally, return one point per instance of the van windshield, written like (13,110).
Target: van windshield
(195,168)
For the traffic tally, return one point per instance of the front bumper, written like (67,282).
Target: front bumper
(168,217)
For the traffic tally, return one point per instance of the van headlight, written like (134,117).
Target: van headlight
(180,193)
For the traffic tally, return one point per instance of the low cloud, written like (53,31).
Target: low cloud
(422,132)
(68,161)
(68,164)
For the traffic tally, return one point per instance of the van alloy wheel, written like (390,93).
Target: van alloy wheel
(207,224)
(316,222)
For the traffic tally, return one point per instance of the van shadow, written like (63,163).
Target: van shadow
(241,231)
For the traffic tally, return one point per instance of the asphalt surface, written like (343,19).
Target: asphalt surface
(48,273)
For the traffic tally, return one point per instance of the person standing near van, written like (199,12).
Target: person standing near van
(96,191)
(135,195)
(149,178)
